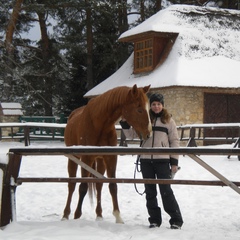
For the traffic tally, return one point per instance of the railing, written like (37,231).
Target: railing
(11,177)
(197,132)
(55,131)
(32,131)
(193,133)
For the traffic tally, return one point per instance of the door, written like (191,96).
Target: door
(221,108)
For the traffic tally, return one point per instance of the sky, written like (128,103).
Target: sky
(209,212)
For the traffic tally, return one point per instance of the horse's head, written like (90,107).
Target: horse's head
(136,111)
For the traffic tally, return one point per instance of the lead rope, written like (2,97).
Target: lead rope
(138,165)
(138,169)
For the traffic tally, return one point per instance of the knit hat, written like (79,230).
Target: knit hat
(157,97)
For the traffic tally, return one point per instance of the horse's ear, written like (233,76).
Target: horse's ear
(146,88)
(134,90)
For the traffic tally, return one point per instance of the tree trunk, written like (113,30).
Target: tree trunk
(47,79)
(9,58)
(122,16)
(90,84)
(142,10)
(158,5)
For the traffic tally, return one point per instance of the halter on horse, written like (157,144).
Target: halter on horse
(94,125)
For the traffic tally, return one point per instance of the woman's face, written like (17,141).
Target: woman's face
(156,107)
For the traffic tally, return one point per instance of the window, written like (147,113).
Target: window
(151,49)
(143,55)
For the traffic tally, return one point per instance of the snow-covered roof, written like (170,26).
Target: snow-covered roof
(10,105)
(206,52)
(10,108)
(11,112)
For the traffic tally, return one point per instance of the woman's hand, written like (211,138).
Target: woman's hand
(174,168)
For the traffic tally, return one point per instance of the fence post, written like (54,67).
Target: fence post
(123,141)
(27,136)
(9,170)
(191,141)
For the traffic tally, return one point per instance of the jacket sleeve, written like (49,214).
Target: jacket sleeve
(173,141)
(128,131)
(124,124)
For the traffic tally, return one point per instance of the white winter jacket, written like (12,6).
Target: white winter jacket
(163,135)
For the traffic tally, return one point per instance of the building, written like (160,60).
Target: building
(9,113)
(192,56)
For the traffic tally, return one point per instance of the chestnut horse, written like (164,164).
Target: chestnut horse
(94,125)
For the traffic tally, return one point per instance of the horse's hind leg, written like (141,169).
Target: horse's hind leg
(111,163)
(100,169)
(72,171)
(83,187)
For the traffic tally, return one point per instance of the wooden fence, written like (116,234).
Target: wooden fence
(191,133)
(200,132)
(28,132)
(11,179)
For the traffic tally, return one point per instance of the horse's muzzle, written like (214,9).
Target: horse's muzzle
(146,136)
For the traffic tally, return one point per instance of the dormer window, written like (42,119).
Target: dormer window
(150,49)
(143,55)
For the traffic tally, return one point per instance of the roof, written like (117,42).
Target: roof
(10,108)
(11,105)
(206,52)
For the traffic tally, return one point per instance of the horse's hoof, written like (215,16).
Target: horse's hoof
(119,221)
(117,215)
(99,219)
(64,219)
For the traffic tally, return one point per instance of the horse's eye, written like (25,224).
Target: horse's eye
(140,110)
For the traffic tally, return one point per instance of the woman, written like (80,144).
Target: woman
(159,166)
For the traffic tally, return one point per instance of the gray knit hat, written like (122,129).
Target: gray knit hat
(157,97)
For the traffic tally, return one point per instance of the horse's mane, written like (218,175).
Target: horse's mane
(110,99)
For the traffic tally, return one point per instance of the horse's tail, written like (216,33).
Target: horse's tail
(92,186)
(91,190)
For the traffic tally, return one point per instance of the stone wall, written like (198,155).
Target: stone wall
(186,104)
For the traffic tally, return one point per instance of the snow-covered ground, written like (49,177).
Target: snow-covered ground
(209,212)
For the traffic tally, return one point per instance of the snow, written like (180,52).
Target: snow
(209,212)
(11,105)
(11,112)
(206,52)
(33,124)
(11,108)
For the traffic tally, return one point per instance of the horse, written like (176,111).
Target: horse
(94,125)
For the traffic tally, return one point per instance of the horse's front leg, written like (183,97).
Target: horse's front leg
(72,171)
(111,163)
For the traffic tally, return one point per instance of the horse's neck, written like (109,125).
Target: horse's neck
(112,115)
(110,112)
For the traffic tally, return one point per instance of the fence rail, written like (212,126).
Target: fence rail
(28,131)
(122,180)
(197,132)
(81,150)
(190,133)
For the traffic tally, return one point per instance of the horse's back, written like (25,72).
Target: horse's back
(72,127)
